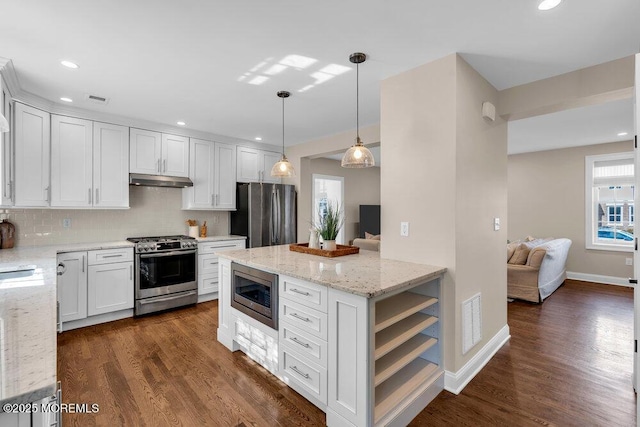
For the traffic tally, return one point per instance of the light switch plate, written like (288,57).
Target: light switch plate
(629,261)
(496,224)
(66,223)
(404,229)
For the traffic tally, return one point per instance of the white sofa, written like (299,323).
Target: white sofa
(542,273)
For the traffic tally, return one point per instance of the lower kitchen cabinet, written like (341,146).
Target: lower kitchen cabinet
(208,266)
(72,286)
(95,286)
(110,288)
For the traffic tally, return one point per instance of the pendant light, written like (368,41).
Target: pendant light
(358,156)
(283,169)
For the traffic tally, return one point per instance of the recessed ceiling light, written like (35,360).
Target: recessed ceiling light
(65,99)
(623,134)
(69,64)
(548,4)
(181,123)
(258,138)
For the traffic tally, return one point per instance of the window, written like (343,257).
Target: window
(610,195)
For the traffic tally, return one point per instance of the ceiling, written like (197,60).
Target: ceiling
(596,124)
(194,60)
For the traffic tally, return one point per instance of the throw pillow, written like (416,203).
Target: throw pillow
(371,236)
(511,248)
(520,255)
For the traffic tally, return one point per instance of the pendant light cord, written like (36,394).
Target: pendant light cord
(357,102)
(283,127)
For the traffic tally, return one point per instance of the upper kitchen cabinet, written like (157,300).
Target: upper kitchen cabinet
(255,165)
(155,153)
(32,156)
(212,170)
(71,162)
(225,177)
(110,166)
(89,164)
(6,148)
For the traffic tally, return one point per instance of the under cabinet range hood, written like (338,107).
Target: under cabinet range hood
(159,180)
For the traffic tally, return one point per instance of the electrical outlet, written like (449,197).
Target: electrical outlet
(629,261)
(214,219)
(404,229)
(66,223)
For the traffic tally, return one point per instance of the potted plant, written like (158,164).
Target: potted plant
(329,224)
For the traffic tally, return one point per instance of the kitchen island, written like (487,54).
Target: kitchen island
(359,336)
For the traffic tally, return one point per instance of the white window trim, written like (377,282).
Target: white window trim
(611,205)
(591,226)
(632,214)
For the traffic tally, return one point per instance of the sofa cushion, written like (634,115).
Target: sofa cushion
(371,236)
(520,255)
(511,248)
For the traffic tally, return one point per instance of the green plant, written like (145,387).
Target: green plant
(331,222)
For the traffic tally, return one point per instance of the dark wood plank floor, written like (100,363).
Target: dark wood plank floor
(569,362)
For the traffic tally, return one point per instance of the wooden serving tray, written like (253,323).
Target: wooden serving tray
(341,250)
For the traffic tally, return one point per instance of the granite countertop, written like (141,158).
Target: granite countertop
(364,274)
(28,320)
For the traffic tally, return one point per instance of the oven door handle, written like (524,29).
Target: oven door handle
(163,254)
(168,298)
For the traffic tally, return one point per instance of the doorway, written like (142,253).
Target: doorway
(327,189)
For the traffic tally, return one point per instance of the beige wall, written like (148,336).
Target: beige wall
(300,156)
(600,83)
(445,173)
(154,211)
(361,187)
(547,198)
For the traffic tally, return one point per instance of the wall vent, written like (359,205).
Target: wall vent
(471,322)
(97,99)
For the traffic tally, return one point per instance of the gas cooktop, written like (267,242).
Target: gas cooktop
(163,243)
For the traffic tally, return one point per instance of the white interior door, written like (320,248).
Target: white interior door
(328,189)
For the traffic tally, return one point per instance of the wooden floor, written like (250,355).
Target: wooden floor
(568,363)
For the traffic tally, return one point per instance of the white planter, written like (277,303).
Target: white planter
(193,231)
(329,245)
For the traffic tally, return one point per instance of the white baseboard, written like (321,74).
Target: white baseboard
(596,278)
(454,382)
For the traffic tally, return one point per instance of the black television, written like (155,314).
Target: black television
(369,220)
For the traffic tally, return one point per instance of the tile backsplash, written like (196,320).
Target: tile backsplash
(153,211)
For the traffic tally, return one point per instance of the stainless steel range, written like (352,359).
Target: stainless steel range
(166,273)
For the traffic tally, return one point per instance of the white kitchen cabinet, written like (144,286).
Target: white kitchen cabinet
(71,162)
(72,286)
(212,170)
(89,164)
(110,286)
(6,148)
(145,151)
(255,165)
(224,171)
(175,155)
(110,166)
(201,170)
(155,153)
(32,156)
(208,265)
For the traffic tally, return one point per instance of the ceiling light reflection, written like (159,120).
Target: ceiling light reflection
(258,80)
(275,69)
(298,61)
(335,69)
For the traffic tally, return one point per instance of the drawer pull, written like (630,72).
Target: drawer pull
(297,316)
(112,256)
(295,369)
(306,294)
(297,341)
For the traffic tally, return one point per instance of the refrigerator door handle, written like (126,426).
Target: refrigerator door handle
(273,215)
(279,217)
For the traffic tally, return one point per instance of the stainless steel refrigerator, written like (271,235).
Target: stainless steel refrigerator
(266,214)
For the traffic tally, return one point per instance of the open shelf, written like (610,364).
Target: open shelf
(403,355)
(398,307)
(397,334)
(391,392)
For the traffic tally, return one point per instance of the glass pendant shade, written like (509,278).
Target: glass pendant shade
(283,169)
(358,156)
(4,124)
